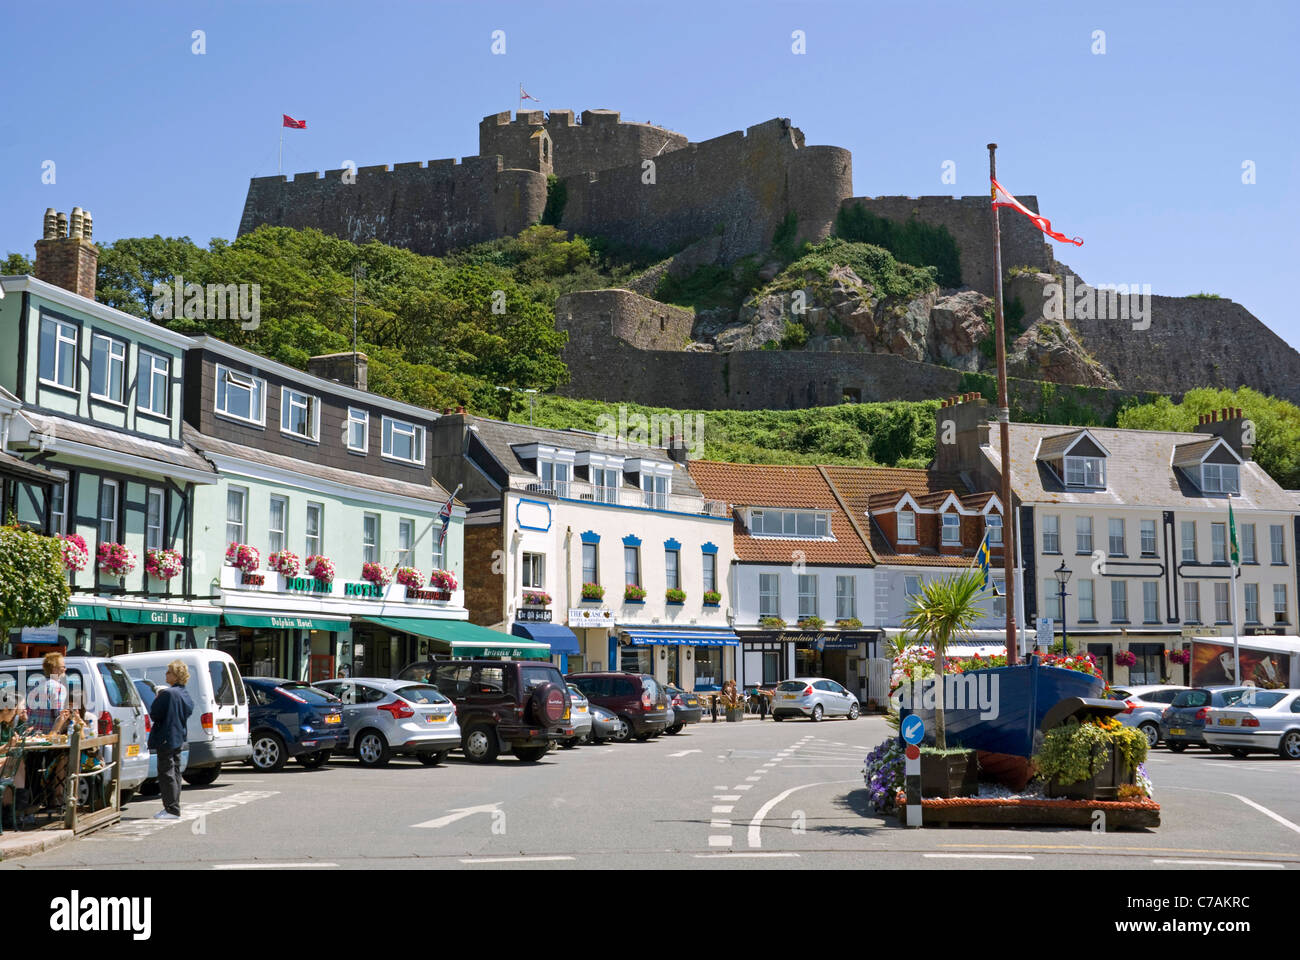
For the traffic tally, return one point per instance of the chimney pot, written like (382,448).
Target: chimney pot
(460,409)
(67,260)
(62,230)
(51,224)
(74,222)
(87,225)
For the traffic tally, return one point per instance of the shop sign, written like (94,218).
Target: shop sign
(1265,632)
(443,595)
(308,585)
(1191,632)
(364,588)
(271,582)
(533,614)
(587,617)
(46,634)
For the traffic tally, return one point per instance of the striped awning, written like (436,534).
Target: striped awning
(686,638)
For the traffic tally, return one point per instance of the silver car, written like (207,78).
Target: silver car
(1271,724)
(1143,706)
(579,718)
(386,717)
(813,697)
(606,725)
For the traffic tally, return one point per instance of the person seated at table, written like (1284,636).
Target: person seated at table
(12,715)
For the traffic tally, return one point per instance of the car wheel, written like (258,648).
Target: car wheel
(624,732)
(854,710)
(1214,748)
(313,760)
(1178,747)
(1151,732)
(269,754)
(675,729)
(1238,752)
(817,713)
(480,744)
(372,749)
(777,717)
(531,754)
(125,797)
(202,777)
(1289,747)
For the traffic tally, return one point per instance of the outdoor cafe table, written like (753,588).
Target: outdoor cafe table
(73,744)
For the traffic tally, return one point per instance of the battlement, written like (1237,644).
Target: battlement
(601,139)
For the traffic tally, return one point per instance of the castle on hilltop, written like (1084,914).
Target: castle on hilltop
(714,202)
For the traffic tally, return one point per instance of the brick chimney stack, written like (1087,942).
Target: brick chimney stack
(65,255)
(350,369)
(1232,426)
(961,428)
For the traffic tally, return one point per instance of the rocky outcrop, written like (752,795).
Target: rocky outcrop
(1049,350)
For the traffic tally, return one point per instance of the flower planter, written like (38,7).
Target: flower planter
(675,603)
(735,714)
(1104,784)
(708,603)
(949,775)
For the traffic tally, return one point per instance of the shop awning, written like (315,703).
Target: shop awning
(467,639)
(165,618)
(85,611)
(284,622)
(559,637)
(687,638)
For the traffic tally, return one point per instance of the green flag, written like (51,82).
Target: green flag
(1234,554)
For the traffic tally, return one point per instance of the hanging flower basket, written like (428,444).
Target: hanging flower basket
(375,573)
(410,577)
(321,567)
(1179,656)
(593,591)
(163,564)
(244,557)
(285,563)
(443,580)
(76,555)
(536,598)
(115,559)
(1125,658)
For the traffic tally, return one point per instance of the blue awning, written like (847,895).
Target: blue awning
(561,638)
(686,638)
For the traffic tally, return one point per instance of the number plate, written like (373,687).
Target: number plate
(1178,731)
(1227,722)
(333,718)
(582,709)
(692,703)
(133,750)
(436,718)
(225,728)
(791,696)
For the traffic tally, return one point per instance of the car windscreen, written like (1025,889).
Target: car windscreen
(535,676)
(791,686)
(420,693)
(419,672)
(1192,698)
(223,688)
(1263,700)
(309,693)
(1227,698)
(121,692)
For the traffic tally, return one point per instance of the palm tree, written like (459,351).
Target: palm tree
(943,611)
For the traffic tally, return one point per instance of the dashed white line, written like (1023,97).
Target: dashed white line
(720,841)
(272,866)
(724,808)
(743,786)
(724,797)
(1222,863)
(741,856)
(513,859)
(752,779)
(977,856)
(719,824)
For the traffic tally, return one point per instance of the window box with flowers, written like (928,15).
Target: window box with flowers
(321,567)
(163,564)
(115,559)
(811,623)
(243,557)
(76,555)
(712,598)
(592,593)
(284,562)
(536,598)
(772,623)
(376,573)
(675,597)
(410,577)
(633,594)
(848,623)
(443,582)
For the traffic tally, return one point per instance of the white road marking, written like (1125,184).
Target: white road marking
(457,814)
(723,787)
(743,786)
(720,841)
(513,859)
(977,856)
(726,796)
(724,808)
(682,753)
(134,830)
(1223,863)
(719,824)
(1267,812)
(756,825)
(752,779)
(746,856)
(272,866)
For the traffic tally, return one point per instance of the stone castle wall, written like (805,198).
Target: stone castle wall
(600,141)
(595,318)
(430,209)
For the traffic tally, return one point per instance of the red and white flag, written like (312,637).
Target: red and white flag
(523,95)
(293,124)
(1003,198)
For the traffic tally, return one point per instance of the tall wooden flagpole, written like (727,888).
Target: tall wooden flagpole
(1004,421)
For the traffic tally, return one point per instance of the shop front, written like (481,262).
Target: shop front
(698,660)
(107,627)
(462,640)
(593,627)
(290,646)
(562,641)
(770,656)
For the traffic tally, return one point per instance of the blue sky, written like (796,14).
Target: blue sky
(1138,150)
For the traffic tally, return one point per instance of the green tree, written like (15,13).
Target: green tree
(33,581)
(943,611)
(15,265)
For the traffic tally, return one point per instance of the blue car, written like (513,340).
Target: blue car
(148,691)
(288,718)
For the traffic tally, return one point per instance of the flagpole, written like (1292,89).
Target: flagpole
(279,160)
(1004,424)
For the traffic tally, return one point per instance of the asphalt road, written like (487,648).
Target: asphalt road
(787,795)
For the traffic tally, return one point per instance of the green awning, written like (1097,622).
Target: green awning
(467,639)
(285,622)
(85,611)
(164,618)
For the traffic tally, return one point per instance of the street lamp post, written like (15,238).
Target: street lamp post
(1062,574)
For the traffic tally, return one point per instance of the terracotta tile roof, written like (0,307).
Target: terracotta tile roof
(792,487)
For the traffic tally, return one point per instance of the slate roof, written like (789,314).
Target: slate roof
(433,492)
(165,454)
(1139,472)
(17,467)
(1054,447)
(790,487)
(1191,453)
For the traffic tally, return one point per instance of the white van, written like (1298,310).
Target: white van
(218,727)
(101,686)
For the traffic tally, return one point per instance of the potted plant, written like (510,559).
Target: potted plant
(772,623)
(592,593)
(733,703)
(1090,760)
(375,573)
(243,557)
(848,623)
(949,773)
(675,596)
(163,564)
(409,577)
(320,567)
(712,598)
(76,555)
(115,559)
(811,623)
(633,594)
(444,582)
(1180,656)
(536,598)
(285,563)
(1126,658)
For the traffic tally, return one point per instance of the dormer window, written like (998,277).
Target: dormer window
(299,414)
(554,476)
(906,526)
(798,524)
(1085,471)
(951,529)
(1220,478)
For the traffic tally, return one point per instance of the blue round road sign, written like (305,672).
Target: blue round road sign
(912,729)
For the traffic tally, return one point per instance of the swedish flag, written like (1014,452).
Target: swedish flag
(982,558)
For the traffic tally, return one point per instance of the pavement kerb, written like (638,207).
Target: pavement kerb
(37,841)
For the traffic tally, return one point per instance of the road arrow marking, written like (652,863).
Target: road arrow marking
(682,753)
(459,814)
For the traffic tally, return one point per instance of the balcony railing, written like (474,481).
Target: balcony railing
(622,496)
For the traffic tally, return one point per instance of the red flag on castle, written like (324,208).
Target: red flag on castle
(524,95)
(1003,198)
(293,124)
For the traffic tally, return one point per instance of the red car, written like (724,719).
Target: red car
(635,697)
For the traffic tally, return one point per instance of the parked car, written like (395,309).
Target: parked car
(1143,706)
(217,731)
(813,697)
(1268,722)
(148,691)
(606,725)
(1183,722)
(635,697)
(394,717)
(289,718)
(516,706)
(686,708)
(580,716)
(101,686)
